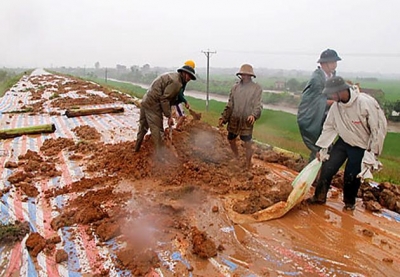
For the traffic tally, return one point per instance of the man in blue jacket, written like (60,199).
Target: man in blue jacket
(314,105)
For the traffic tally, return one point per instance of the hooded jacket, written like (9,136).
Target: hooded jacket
(359,122)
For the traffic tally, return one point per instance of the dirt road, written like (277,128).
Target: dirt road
(99,209)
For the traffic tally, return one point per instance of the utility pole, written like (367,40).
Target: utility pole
(105,77)
(208,53)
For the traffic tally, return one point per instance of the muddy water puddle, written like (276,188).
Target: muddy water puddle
(308,241)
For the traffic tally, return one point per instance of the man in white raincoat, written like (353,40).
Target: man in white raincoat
(360,125)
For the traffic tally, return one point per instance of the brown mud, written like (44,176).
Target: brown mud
(168,216)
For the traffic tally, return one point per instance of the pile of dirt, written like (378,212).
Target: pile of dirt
(31,168)
(62,85)
(199,162)
(375,196)
(382,195)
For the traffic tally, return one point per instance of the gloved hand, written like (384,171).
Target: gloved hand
(369,164)
(323,155)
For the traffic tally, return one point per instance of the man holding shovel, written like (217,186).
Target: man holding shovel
(157,102)
(242,110)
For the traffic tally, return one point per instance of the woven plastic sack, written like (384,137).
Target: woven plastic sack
(301,185)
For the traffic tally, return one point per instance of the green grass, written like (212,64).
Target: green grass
(10,233)
(391,88)
(8,83)
(127,88)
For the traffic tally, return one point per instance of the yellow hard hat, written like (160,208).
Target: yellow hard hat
(190,63)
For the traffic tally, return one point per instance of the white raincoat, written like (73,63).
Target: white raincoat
(359,122)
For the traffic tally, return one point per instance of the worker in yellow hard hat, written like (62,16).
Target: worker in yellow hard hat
(165,91)
(190,63)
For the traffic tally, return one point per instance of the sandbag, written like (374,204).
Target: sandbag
(301,185)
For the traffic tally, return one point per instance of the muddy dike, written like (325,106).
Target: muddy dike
(98,208)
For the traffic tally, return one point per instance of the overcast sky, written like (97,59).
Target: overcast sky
(279,34)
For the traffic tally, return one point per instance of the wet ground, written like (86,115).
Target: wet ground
(97,208)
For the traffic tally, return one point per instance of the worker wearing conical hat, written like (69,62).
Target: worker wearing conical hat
(242,110)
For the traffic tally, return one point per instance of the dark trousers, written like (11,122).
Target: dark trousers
(340,152)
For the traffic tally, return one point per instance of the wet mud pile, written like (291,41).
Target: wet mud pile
(198,163)
(374,196)
(383,195)
(56,86)
(124,193)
